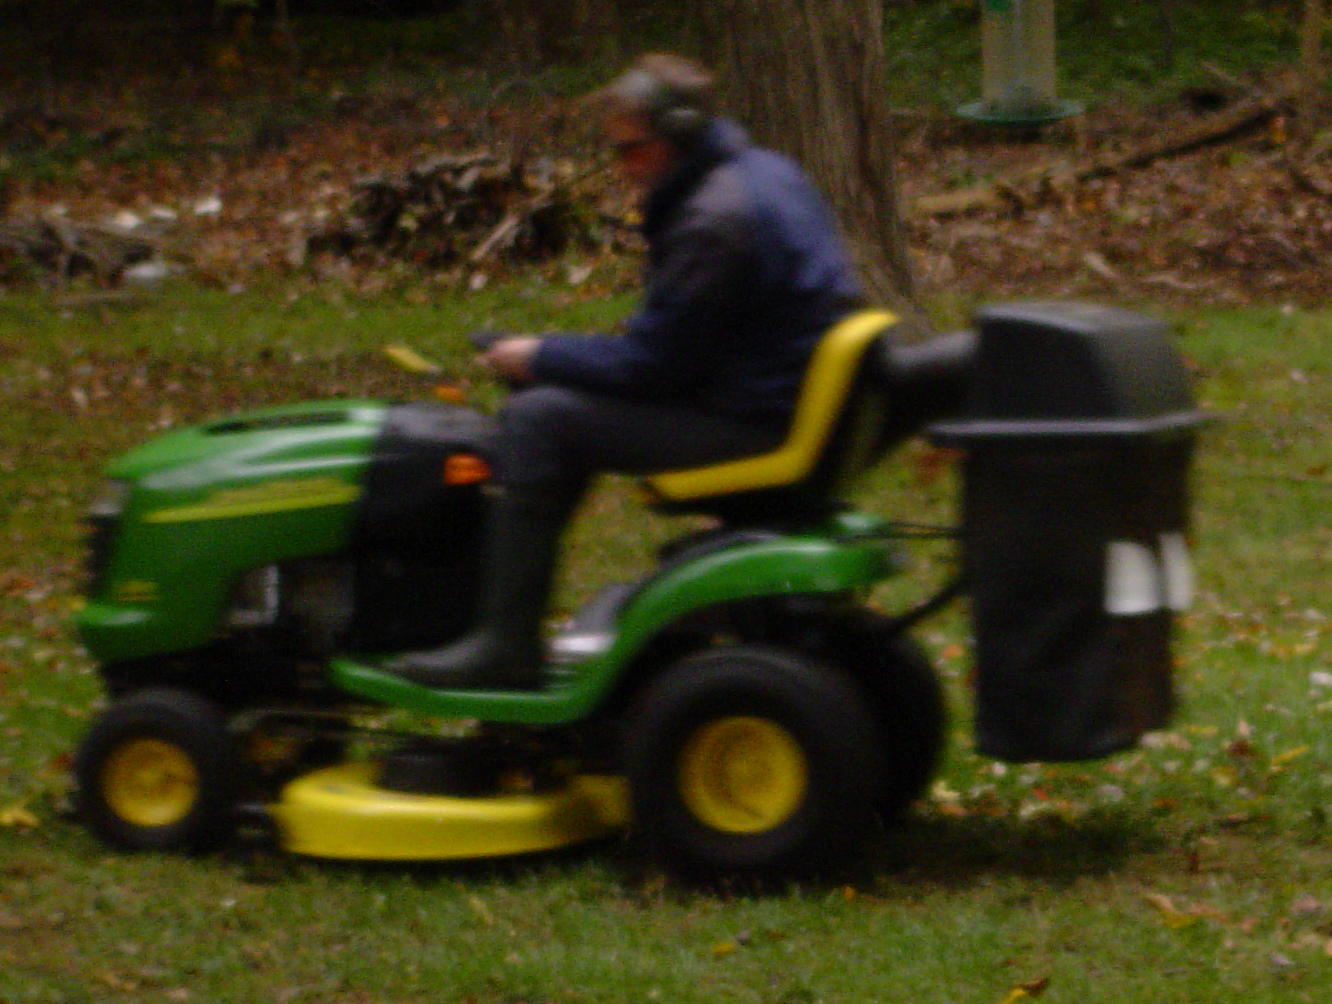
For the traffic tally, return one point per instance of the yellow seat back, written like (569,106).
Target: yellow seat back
(828,381)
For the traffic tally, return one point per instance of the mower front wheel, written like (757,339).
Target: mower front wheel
(159,771)
(751,759)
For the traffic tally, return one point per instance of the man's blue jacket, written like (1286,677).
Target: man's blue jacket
(745,271)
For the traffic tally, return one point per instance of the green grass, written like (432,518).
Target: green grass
(1195,868)
(1116,52)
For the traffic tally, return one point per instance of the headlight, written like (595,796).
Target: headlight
(103,522)
(109,503)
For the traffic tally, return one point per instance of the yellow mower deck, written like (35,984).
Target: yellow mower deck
(339,812)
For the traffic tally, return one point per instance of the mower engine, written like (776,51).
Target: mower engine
(238,556)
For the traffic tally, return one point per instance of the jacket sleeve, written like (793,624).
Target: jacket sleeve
(695,290)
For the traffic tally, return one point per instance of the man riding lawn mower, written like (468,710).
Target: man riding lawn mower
(742,705)
(745,273)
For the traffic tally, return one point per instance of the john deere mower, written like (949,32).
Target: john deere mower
(741,708)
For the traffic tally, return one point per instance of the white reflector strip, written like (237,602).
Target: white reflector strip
(1179,577)
(1132,579)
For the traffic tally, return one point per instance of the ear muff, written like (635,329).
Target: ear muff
(671,113)
(681,123)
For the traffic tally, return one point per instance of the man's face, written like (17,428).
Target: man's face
(643,157)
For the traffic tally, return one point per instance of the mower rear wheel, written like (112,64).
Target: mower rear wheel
(913,720)
(907,699)
(747,759)
(158,771)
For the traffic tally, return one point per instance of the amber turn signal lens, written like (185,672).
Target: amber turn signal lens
(465,469)
(450,393)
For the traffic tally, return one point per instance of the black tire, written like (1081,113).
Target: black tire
(913,722)
(159,771)
(750,759)
(908,705)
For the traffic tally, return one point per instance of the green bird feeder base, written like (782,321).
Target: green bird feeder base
(1023,118)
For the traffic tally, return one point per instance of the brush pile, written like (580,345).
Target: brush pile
(463,212)
(57,249)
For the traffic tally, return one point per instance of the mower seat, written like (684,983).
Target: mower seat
(833,429)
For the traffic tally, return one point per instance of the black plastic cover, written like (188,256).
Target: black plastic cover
(1073,370)
(417,541)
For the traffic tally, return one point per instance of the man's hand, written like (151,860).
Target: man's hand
(511,358)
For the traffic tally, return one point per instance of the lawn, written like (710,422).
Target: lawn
(1195,868)
(1198,867)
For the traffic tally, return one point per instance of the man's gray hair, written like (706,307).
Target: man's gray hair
(674,94)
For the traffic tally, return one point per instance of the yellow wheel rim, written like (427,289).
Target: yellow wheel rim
(150,782)
(742,774)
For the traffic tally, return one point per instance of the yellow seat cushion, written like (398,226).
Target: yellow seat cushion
(829,378)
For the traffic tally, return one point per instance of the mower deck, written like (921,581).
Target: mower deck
(339,812)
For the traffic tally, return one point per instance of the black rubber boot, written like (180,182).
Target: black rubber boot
(503,651)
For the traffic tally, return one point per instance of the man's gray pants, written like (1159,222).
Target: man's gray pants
(559,434)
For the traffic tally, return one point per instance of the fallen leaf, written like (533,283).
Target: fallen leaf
(1171,916)
(17,817)
(482,910)
(1306,905)
(116,981)
(1095,261)
(931,463)
(1022,991)
(1240,749)
(1284,757)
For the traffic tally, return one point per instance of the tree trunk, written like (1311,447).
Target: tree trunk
(1311,41)
(520,33)
(1312,74)
(808,78)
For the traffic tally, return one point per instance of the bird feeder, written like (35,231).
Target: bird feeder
(1018,66)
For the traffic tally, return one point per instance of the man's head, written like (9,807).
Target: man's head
(654,112)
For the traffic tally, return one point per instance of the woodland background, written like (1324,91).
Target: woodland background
(229,138)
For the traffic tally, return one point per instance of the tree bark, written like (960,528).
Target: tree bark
(808,78)
(1312,27)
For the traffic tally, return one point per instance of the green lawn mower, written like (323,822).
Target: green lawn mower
(741,708)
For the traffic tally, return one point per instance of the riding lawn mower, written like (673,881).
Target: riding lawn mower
(742,708)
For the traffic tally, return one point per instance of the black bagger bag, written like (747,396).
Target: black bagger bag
(1075,505)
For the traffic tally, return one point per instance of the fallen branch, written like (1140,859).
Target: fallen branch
(1309,181)
(1026,185)
(63,249)
(502,236)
